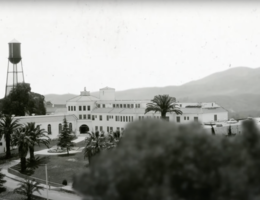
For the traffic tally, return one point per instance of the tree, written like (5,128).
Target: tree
(65,137)
(21,101)
(21,139)
(163,104)
(7,126)
(94,145)
(27,188)
(160,160)
(2,181)
(37,135)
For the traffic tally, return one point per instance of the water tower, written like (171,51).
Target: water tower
(15,71)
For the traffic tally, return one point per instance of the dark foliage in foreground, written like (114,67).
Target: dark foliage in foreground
(159,160)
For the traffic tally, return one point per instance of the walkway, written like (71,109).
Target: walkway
(13,181)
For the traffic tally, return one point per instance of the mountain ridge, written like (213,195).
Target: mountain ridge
(236,89)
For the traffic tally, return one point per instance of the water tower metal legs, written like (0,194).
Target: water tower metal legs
(16,80)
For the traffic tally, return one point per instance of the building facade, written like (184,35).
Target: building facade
(105,113)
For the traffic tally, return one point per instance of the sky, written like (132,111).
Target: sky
(69,45)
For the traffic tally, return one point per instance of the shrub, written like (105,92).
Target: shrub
(160,160)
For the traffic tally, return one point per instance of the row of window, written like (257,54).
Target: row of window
(120,105)
(81,108)
(155,117)
(85,117)
(178,118)
(117,118)
(109,129)
(60,128)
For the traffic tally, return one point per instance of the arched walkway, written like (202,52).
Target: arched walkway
(83,129)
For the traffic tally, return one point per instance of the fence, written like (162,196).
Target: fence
(17,173)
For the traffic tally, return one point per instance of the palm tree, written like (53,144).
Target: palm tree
(2,181)
(21,139)
(7,126)
(163,104)
(37,136)
(95,143)
(27,188)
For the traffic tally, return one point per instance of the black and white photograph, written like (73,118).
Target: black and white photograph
(129,100)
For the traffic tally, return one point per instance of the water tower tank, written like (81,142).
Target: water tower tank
(14,52)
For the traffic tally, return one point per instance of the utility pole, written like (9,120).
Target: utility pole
(47,188)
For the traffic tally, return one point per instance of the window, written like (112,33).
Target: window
(184,118)
(80,116)
(107,117)
(98,105)
(60,128)
(93,117)
(96,128)
(84,108)
(49,129)
(140,117)
(111,128)
(89,116)
(128,105)
(124,105)
(114,105)
(126,118)
(68,108)
(74,108)
(104,105)
(132,105)
(1,144)
(196,119)
(137,105)
(100,117)
(88,107)
(178,119)
(121,106)
(107,129)
(70,127)
(188,118)
(118,129)
(122,129)
(84,116)
(215,118)
(123,118)
(79,108)
(180,105)
(101,128)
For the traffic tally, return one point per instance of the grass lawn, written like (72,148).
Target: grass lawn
(60,167)
(12,196)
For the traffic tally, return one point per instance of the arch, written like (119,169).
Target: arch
(83,129)
(49,129)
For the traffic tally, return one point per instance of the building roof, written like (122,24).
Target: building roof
(122,101)
(14,41)
(142,110)
(119,110)
(107,88)
(83,98)
(46,116)
(202,110)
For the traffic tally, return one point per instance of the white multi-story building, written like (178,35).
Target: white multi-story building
(108,114)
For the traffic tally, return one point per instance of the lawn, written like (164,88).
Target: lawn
(60,167)
(12,196)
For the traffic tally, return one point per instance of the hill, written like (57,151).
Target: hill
(236,89)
